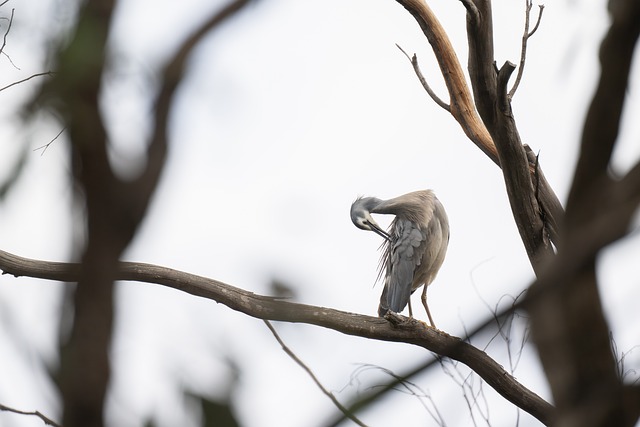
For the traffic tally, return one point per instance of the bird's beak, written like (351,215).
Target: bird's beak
(379,231)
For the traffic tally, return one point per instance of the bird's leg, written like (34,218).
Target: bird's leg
(410,311)
(426,307)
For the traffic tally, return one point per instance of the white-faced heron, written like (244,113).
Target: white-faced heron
(414,246)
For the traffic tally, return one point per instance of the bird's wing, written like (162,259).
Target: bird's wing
(402,256)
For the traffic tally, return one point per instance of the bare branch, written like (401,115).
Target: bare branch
(315,379)
(603,117)
(425,85)
(46,73)
(485,85)
(461,101)
(397,329)
(6,33)
(569,326)
(363,401)
(472,11)
(38,414)
(535,27)
(172,76)
(491,100)
(45,146)
(525,38)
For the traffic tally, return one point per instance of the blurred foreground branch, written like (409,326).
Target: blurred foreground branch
(114,207)
(396,328)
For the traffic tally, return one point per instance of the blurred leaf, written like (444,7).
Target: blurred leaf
(215,413)
(281,289)
(14,174)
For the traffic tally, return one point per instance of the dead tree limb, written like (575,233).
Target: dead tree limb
(401,329)
(487,122)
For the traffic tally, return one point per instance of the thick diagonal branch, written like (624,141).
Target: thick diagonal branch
(264,307)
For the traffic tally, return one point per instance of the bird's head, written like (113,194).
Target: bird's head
(361,215)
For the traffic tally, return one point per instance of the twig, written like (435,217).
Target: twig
(525,38)
(45,146)
(312,375)
(361,402)
(4,40)
(46,73)
(425,85)
(535,27)
(404,386)
(38,414)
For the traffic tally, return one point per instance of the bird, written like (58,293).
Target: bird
(414,248)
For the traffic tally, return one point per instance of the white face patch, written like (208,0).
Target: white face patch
(364,223)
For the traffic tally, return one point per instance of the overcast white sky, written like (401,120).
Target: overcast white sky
(289,112)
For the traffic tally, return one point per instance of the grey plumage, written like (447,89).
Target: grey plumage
(414,247)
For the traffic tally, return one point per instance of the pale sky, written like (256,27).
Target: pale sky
(288,113)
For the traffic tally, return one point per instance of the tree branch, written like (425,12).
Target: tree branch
(491,96)
(46,73)
(6,33)
(525,38)
(268,308)
(568,323)
(363,401)
(315,379)
(463,109)
(48,421)
(171,77)
(461,104)
(602,123)
(115,208)
(425,85)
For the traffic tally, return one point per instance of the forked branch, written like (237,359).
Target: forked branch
(525,38)
(494,127)
(461,104)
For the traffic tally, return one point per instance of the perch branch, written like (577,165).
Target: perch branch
(269,308)
(425,85)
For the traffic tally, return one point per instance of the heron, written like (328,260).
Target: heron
(414,247)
